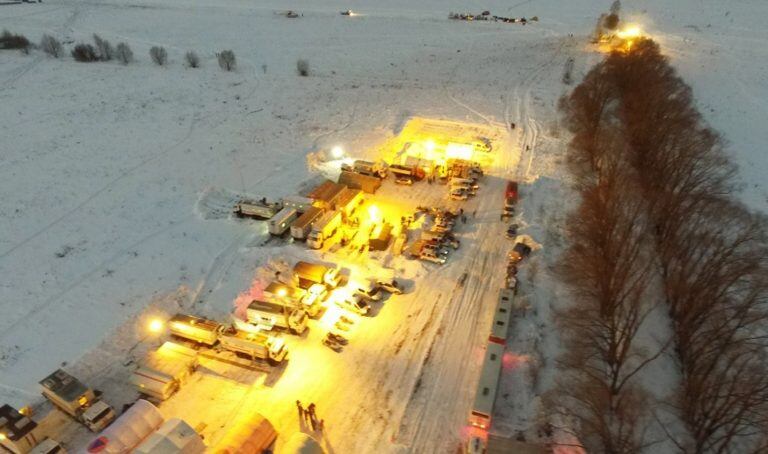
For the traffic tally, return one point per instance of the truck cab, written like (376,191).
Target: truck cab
(77,400)
(368,290)
(98,416)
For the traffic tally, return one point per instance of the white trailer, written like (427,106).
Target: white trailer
(303,225)
(163,371)
(77,400)
(323,229)
(282,221)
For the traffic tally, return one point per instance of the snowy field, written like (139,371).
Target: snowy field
(102,168)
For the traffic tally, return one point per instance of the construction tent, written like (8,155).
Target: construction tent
(250,434)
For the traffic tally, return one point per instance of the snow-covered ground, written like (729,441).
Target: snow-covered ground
(103,167)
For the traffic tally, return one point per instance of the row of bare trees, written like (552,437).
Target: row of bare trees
(658,224)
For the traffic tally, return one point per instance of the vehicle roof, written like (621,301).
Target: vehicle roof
(64,385)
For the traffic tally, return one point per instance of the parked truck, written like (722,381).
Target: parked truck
(130,429)
(282,221)
(303,225)
(260,209)
(269,315)
(323,229)
(306,274)
(165,370)
(407,171)
(255,345)
(309,299)
(77,400)
(373,169)
(196,329)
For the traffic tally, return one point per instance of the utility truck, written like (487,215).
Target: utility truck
(196,329)
(306,274)
(323,229)
(269,315)
(373,169)
(303,225)
(309,299)
(282,221)
(255,345)
(210,333)
(77,400)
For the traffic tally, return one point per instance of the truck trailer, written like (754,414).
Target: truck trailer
(130,429)
(303,225)
(271,315)
(282,221)
(163,371)
(259,209)
(77,400)
(255,345)
(298,203)
(306,274)
(323,229)
(196,329)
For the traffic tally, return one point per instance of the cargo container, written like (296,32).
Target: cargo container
(250,433)
(303,225)
(327,194)
(365,183)
(380,237)
(260,209)
(306,274)
(165,370)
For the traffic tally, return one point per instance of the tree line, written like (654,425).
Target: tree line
(659,231)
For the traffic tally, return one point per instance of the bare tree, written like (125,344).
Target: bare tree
(193,61)
(85,53)
(302,67)
(226,60)
(123,53)
(51,46)
(103,48)
(10,40)
(158,55)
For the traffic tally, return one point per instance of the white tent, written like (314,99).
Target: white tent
(174,437)
(128,430)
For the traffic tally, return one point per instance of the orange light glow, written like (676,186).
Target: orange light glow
(155,325)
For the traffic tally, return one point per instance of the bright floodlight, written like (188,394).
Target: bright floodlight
(337,152)
(281,292)
(373,213)
(630,32)
(430,145)
(155,325)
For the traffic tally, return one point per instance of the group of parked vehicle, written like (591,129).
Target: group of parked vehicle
(486,16)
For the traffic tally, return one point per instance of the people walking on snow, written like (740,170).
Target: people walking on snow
(300,408)
(321,425)
(311,410)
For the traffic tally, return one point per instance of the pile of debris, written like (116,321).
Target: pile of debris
(486,16)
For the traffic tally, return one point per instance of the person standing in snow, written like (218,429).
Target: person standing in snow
(300,408)
(321,425)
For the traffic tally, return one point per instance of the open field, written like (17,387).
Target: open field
(104,169)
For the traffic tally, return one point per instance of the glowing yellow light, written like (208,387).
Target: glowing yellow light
(155,325)
(430,145)
(374,213)
(629,33)
(2,436)
(282,292)
(337,152)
